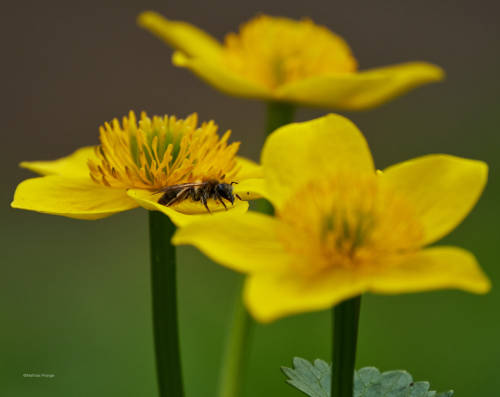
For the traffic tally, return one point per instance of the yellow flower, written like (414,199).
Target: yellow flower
(342,228)
(134,160)
(281,59)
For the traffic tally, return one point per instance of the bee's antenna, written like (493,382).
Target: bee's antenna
(234,183)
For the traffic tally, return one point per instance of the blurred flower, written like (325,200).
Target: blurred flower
(133,161)
(281,59)
(342,228)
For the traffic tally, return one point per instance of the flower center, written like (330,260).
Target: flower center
(348,221)
(274,51)
(162,151)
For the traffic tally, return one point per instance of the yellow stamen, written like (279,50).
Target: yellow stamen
(274,51)
(348,221)
(162,151)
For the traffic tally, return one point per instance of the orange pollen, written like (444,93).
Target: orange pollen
(348,221)
(162,151)
(274,51)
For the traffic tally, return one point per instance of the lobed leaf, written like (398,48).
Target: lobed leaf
(313,379)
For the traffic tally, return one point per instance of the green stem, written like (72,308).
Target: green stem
(164,291)
(278,114)
(345,336)
(236,354)
(237,347)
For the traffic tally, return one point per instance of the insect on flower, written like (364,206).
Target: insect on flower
(180,158)
(198,191)
(341,228)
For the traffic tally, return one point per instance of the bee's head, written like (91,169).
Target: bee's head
(225,190)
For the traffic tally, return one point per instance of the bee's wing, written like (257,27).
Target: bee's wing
(177,188)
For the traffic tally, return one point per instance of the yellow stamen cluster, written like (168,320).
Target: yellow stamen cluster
(162,151)
(349,221)
(274,51)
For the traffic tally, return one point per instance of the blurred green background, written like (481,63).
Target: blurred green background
(75,299)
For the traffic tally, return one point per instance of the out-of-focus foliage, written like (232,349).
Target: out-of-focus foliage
(314,379)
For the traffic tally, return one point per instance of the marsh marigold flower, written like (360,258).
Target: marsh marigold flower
(134,160)
(342,228)
(281,59)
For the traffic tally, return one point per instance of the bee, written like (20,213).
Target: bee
(198,191)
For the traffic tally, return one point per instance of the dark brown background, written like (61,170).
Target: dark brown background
(74,295)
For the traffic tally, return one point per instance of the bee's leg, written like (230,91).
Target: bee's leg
(237,195)
(218,197)
(222,202)
(203,199)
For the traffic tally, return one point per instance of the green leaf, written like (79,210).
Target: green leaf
(314,380)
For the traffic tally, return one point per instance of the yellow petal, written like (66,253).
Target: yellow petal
(187,211)
(74,165)
(298,153)
(250,179)
(71,197)
(245,243)
(356,91)
(442,188)
(433,268)
(269,296)
(181,35)
(249,168)
(220,77)
(251,189)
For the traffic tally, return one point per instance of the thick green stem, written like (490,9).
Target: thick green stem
(278,114)
(345,336)
(238,345)
(164,291)
(237,350)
